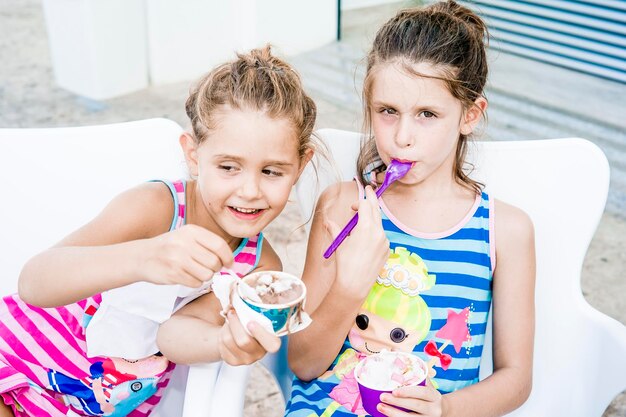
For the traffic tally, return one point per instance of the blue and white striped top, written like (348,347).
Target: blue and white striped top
(432,298)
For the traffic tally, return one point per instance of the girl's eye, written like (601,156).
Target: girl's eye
(362,321)
(272,173)
(427,114)
(397,335)
(227,168)
(388,111)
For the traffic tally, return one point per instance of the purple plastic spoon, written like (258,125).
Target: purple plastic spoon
(395,171)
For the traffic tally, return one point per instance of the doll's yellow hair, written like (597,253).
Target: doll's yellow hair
(395,295)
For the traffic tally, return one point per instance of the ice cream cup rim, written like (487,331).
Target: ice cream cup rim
(295,302)
(414,358)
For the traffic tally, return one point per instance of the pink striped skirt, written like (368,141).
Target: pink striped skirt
(45,371)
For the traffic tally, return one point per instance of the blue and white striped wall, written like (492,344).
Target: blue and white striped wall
(583,35)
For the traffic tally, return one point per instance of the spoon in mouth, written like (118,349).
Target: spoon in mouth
(395,171)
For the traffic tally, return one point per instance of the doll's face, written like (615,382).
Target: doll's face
(372,333)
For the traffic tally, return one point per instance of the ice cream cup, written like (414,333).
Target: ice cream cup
(370,393)
(281,315)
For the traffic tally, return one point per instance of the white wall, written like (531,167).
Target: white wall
(186,38)
(357,4)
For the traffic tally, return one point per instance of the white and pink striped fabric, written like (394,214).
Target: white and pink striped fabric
(44,367)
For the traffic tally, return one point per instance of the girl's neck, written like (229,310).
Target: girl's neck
(197,215)
(439,186)
(431,206)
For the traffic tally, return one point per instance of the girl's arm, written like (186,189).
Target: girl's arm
(336,287)
(513,332)
(197,332)
(125,243)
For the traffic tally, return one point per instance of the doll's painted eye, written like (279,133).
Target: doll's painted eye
(397,335)
(362,321)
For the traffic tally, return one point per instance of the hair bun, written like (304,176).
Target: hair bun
(474,23)
(261,59)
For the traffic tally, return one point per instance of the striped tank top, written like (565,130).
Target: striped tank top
(431,298)
(44,367)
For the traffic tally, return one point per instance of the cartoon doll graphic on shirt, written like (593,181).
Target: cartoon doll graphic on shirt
(115,387)
(393,317)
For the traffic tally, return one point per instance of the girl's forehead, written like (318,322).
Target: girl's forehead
(252,134)
(417,82)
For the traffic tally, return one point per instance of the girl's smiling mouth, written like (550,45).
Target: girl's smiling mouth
(245,213)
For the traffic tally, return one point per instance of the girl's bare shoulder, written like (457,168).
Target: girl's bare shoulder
(148,208)
(157,201)
(512,225)
(140,212)
(269,261)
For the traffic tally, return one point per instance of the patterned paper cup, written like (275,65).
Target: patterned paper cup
(282,308)
(385,371)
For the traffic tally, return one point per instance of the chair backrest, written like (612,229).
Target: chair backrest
(562,184)
(54,180)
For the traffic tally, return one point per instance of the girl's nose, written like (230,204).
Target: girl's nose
(405,134)
(250,188)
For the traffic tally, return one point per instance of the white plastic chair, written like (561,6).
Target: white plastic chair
(580,353)
(57,179)
(54,180)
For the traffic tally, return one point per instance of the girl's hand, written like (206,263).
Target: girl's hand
(423,401)
(363,253)
(188,256)
(237,347)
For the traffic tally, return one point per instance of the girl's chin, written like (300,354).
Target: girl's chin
(243,234)
(240,230)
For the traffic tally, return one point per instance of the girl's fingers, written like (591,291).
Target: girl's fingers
(243,340)
(413,404)
(185,273)
(188,280)
(216,246)
(372,201)
(391,411)
(228,357)
(422,400)
(269,341)
(227,341)
(203,264)
(259,343)
(196,267)
(229,350)
(418,391)
(332,228)
(369,213)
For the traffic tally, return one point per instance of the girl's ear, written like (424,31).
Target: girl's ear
(308,154)
(473,115)
(190,149)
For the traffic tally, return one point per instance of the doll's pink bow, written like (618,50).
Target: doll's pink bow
(444,359)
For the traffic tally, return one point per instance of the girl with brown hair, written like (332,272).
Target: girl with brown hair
(435,237)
